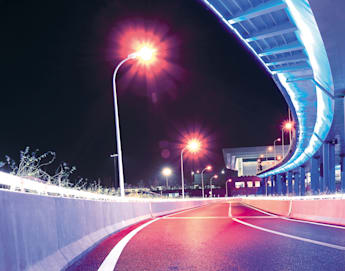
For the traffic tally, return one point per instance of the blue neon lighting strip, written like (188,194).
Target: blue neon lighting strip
(309,141)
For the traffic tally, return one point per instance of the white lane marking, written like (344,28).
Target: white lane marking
(313,223)
(196,217)
(114,255)
(229,213)
(261,211)
(297,220)
(290,236)
(110,261)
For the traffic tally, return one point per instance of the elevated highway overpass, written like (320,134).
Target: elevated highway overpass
(301,45)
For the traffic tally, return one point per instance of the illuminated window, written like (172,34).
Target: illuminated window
(239,185)
(268,183)
(257,183)
(249,184)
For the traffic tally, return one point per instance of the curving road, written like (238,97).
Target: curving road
(221,236)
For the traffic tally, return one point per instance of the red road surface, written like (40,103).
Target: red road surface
(207,238)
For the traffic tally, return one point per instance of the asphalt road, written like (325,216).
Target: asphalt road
(222,236)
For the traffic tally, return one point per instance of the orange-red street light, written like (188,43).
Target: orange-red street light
(287,126)
(208,168)
(193,146)
(213,177)
(144,54)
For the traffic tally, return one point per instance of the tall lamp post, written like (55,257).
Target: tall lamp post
(226,187)
(213,177)
(145,54)
(208,168)
(192,146)
(274,148)
(166,172)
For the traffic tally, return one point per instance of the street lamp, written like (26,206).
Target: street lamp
(166,172)
(269,148)
(287,126)
(226,186)
(208,168)
(213,177)
(274,148)
(192,146)
(145,54)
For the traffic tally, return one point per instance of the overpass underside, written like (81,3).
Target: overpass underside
(300,44)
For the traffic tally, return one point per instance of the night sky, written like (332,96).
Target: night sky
(57,59)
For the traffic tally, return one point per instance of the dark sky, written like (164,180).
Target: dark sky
(57,59)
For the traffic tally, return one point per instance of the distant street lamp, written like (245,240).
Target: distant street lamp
(287,126)
(208,168)
(192,146)
(166,172)
(226,187)
(274,148)
(269,148)
(213,177)
(145,54)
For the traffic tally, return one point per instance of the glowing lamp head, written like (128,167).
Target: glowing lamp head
(198,171)
(193,145)
(215,176)
(166,172)
(288,125)
(278,139)
(279,157)
(209,168)
(270,148)
(146,53)
(262,156)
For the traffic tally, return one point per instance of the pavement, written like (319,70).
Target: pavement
(220,236)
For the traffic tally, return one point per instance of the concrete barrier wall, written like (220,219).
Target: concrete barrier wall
(47,233)
(330,211)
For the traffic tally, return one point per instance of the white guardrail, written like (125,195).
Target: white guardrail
(306,197)
(24,185)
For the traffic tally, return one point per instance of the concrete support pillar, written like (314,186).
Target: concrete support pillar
(284,190)
(322,186)
(270,188)
(279,184)
(296,184)
(273,184)
(289,180)
(315,175)
(329,166)
(262,189)
(342,172)
(332,167)
(326,168)
(302,180)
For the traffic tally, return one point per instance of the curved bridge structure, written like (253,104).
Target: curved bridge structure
(288,38)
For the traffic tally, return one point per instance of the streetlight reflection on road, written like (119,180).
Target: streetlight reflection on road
(145,54)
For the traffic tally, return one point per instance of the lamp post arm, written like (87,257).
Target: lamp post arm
(117,129)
